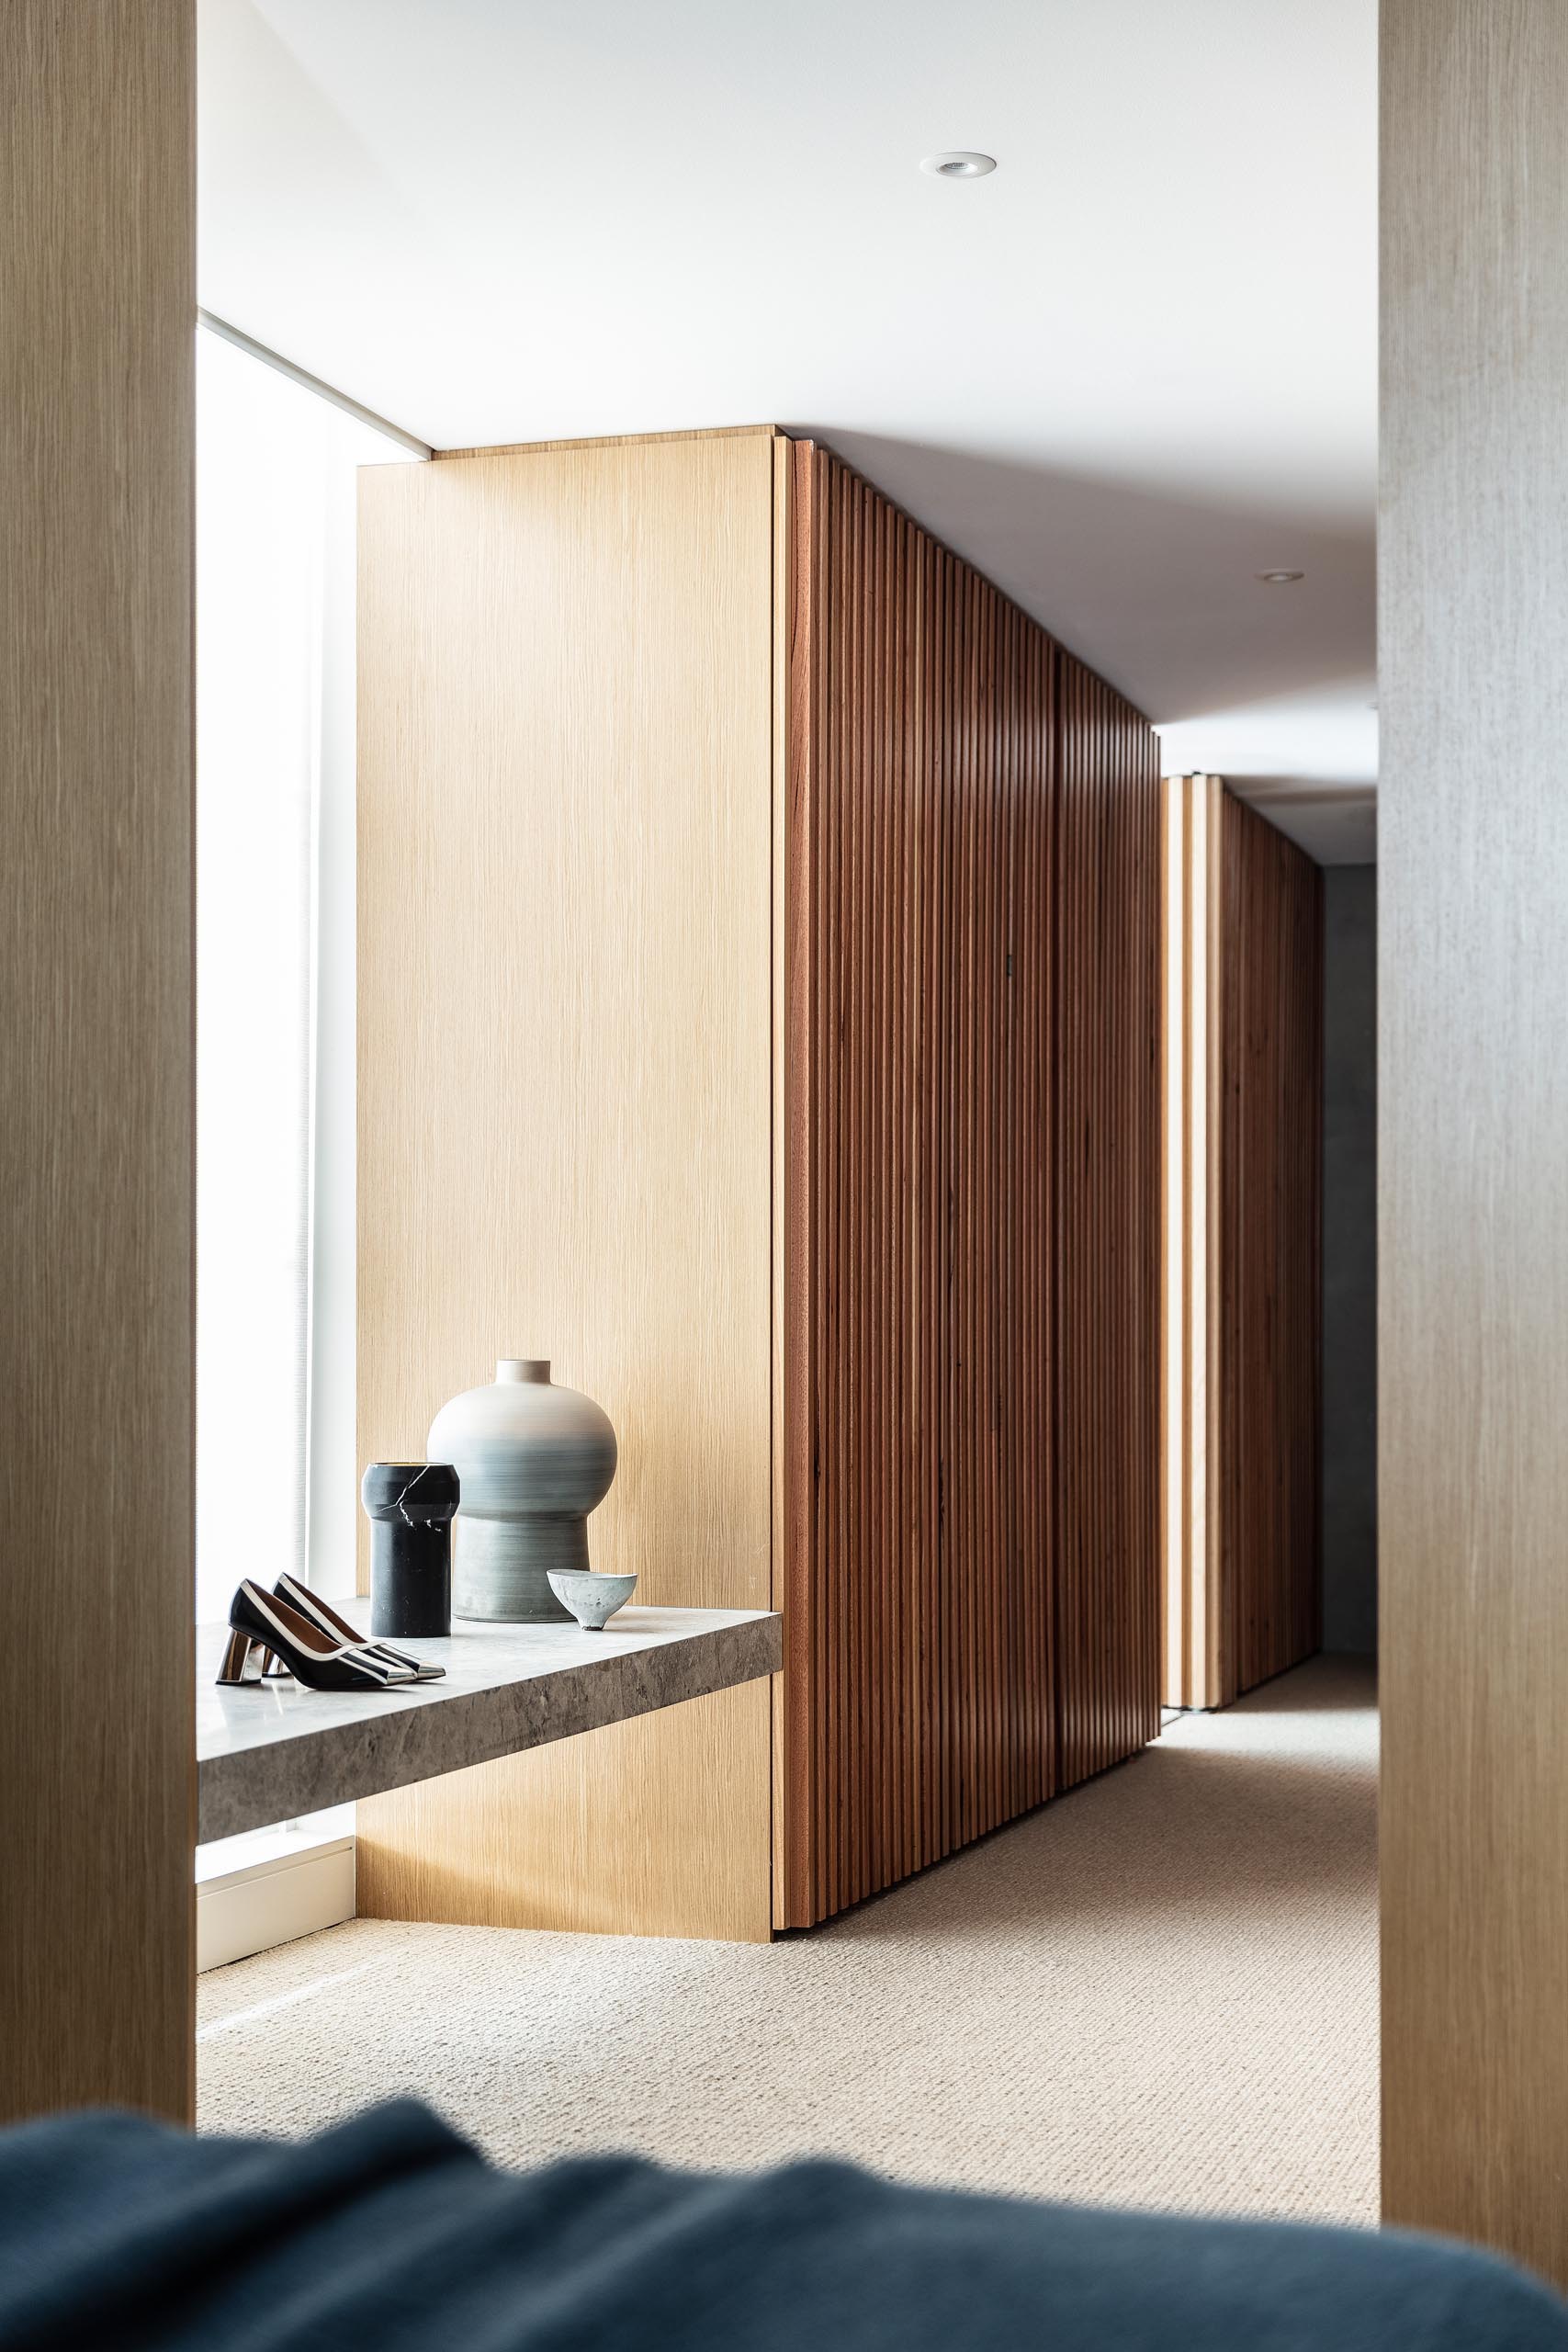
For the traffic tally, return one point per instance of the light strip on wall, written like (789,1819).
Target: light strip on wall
(1191,843)
(247,343)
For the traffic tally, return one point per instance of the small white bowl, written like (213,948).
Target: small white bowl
(591,1597)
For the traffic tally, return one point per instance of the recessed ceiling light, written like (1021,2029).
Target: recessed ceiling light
(1277,579)
(958,163)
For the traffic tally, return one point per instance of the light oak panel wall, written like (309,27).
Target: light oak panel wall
(566,974)
(1472,1147)
(97,1473)
(661,1826)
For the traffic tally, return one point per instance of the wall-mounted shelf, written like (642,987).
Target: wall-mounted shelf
(266,1753)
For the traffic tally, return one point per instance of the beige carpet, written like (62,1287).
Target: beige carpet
(1159,1991)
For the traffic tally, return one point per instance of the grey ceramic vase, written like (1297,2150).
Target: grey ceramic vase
(533,1461)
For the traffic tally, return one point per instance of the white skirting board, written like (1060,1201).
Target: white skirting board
(284,1892)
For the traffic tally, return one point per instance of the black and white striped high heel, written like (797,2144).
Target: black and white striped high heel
(337,1629)
(261,1627)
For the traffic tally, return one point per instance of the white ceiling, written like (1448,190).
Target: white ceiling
(1124,373)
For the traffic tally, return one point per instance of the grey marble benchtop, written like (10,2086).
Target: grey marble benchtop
(270,1753)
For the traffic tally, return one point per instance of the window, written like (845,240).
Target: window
(276,1458)
(277,1463)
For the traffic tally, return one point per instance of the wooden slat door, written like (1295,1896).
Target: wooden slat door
(1108,1237)
(929,1284)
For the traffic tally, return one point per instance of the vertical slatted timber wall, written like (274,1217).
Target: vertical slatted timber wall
(1108,1112)
(924,1253)
(1265,1247)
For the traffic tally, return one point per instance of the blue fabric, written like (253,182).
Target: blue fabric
(390,2231)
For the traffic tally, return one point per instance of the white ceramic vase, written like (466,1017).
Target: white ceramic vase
(532,1460)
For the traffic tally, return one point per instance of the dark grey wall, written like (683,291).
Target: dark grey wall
(1349,1259)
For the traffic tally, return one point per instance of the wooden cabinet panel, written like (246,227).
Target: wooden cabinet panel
(973,1178)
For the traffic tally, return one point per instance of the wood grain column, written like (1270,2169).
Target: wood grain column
(1472,1149)
(96,1064)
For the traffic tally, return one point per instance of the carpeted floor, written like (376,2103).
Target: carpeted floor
(1159,1991)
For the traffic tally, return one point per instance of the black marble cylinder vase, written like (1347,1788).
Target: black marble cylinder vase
(410,1506)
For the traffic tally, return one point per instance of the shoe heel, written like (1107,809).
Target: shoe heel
(239,1666)
(273,1667)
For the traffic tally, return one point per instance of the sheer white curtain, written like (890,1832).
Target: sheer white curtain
(275,1467)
